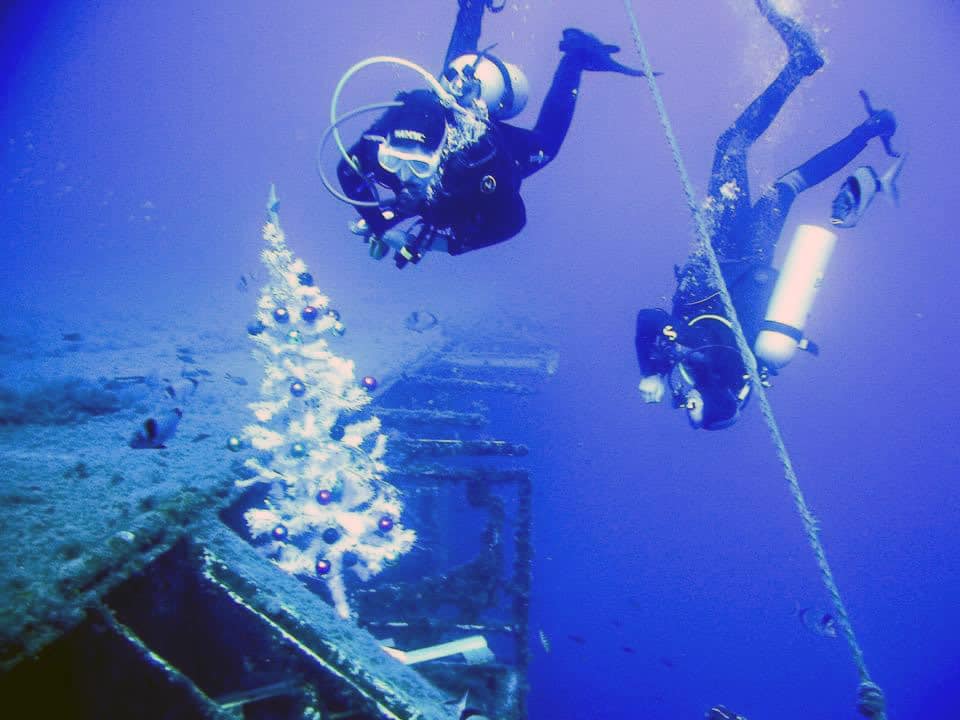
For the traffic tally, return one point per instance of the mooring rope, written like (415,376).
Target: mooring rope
(870,701)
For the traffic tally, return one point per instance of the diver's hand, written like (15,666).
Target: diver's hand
(652,388)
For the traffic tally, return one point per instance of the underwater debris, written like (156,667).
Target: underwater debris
(474,650)
(58,402)
(264,692)
(71,337)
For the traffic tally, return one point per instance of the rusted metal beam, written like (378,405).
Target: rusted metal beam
(428,447)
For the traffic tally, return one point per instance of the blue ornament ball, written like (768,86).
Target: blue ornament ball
(337,432)
(294,337)
(324,496)
(349,559)
(234,443)
(330,536)
(323,566)
(310,314)
(255,328)
(298,389)
(369,383)
(281,315)
(298,450)
(385,524)
(279,532)
(305,278)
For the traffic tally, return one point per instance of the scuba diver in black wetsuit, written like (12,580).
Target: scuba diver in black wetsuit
(693,351)
(450,162)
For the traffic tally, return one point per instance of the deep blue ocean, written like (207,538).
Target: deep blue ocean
(139,140)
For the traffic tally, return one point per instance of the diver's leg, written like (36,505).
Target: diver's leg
(804,53)
(728,196)
(804,60)
(466,33)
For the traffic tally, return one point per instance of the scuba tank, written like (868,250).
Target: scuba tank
(502,86)
(781,332)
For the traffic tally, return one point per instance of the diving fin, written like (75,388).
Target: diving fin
(595,54)
(885,121)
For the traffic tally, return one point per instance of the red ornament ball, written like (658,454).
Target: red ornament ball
(369,383)
(323,566)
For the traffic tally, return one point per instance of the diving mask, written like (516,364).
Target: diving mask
(404,163)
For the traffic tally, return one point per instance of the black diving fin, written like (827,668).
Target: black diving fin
(596,54)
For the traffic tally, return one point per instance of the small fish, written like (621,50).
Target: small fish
(544,641)
(156,430)
(201,436)
(243,284)
(194,373)
(858,191)
(817,621)
(235,379)
(181,391)
(72,337)
(578,639)
(629,650)
(188,359)
(420,321)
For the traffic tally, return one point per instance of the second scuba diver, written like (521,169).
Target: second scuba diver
(454,169)
(693,352)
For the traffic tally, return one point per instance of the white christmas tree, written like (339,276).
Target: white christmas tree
(329,510)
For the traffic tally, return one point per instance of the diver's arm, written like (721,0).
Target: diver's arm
(466,33)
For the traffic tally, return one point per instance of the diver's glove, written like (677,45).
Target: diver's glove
(652,388)
(594,54)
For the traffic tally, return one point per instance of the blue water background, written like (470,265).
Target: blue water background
(138,142)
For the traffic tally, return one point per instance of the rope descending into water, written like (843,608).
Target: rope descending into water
(870,701)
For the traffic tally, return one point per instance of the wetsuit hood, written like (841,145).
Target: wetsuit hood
(419,124)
